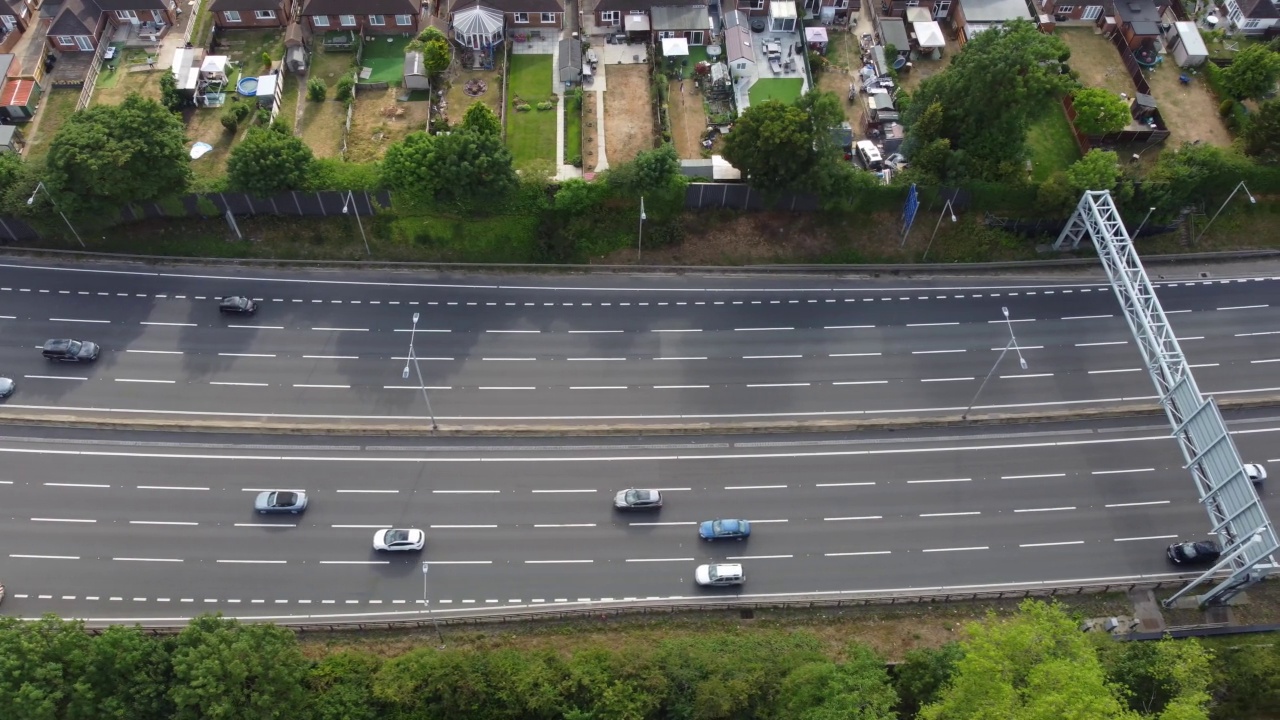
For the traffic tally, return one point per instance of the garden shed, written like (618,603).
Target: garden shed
(415,72)
(738,52)
(570,62)
(1187,45)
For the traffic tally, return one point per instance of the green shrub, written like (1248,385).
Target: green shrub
(317,91)
(545,105)
(1227,107)
(241,110)
(266,60)
(229,119)
(206,207)
(346,90)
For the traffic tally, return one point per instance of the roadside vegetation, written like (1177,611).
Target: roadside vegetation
(1030,663)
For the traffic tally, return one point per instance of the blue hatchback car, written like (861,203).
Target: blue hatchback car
(724,530)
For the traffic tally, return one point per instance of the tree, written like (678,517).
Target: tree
(269,160)
(341,687)
(1189,174)
(460,167)
(1099,111)
(107,156)
(988,95)
(1036,664)
(655,169)
(576,196)
(1252,72)
(229,671)
(1168,679)
(1097,170)
(772,145)
(1262,133)
(1247,679)
(128,675)
(922,674)
(41,664)
(825,112)
(480,118)
(436,56)
(170,97)
(856,689)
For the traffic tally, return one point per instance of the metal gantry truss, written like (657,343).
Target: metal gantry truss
(1238,519)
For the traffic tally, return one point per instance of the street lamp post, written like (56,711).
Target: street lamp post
(413,357)
(640,237)
(1142,224)
(425,609)
(347,202)
(941,215)
(31,201)
(1011,345)
(1252,200)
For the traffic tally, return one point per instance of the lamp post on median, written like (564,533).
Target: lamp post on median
(640,237)
(1252,200)
(347,202)
(434,622)
(1011,345)
(32,200)
(945,208)
(413,357)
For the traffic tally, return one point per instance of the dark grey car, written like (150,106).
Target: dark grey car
(237,305)
(280,501)
(67,350)
(7,387)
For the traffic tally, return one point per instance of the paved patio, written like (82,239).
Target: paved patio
(787,41)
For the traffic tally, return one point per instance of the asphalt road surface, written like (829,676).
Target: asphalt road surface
(331,346)
(120,526)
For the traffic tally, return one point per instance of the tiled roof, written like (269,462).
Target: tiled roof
(361,7)
(511,6)
(220,5)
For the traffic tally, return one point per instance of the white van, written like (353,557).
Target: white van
(720,575)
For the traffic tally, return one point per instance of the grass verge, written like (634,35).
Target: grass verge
(58,105)
(572,130)
(1051,144)
(530,135)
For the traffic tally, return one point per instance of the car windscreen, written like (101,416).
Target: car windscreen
(73,347)
(285,499)
(395,536)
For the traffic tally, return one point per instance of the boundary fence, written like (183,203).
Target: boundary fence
(735,196)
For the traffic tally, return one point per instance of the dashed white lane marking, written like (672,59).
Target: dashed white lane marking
(1031,477)
(660,524)
(861,382)
(328,387)
(65,520)
(755,487)
(375,492)
(355,562)
(1099,344)
(862,354)
(770,357)
(1051,509)
(79,485)
(80,320)
(845,484)
(168,324)
(156,352)
(1146,537)
(360,527)
(648,560)
(462,527)
(676,330)
(171,487)
(238,384)
(951,514)
(856,554)
(773,385)
(575,490)
(1252,334)
(1119,370)
(938,324)
(680,358)
(956,549)
(761,522)
(935,352)
(1087,317)
(267,525)
(763,329)
(331,357)
(680,387)
(1119,472)
(847,327)
(1244,307)
(595,359)
(1137,504)
(466,492)
(459,562)
(144,380)
(945,480)
(759,557)
(598,387)
(162,522)
(1027,376)
(509,359)
(253,562)
(507,387)
(557,562)
(951,379)
(566,525)
(258,327)
(251,355)
(514,332)
(593,332)
(853,517)
(1051,544)
(137,559)
(1269,360)
(45,557)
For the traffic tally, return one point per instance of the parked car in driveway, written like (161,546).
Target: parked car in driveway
(635,499)
(7,387)
(1256,473)
(237,305)
(395,539)
(1203,552)
(66,350)
(280,501)
(719,575)
(724,530)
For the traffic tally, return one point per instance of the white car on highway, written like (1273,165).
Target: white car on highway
(393,539)
(720,575)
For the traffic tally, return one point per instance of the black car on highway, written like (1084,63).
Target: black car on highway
(70,350)
(1204,552)
(237,305)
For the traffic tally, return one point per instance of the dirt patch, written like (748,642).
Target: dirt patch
(628,113)
(205,125)
(1097,60)
(381,119)
(144,82)
(889,630)
(688,119)
(844,58)
(1190,111)
(456,100)
(590,144)
(321,127)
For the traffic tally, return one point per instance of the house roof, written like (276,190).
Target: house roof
(77,17)
(6,63)
(477,21)
(17,93)
(360,7)
(994,11)
(220,5)
(1259,9)
(1133,11)
(646,5)
(689,17)
(570,57)
(737,42)
(113,5)
(512,6)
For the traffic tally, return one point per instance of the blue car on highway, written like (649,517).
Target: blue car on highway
(280,501)
(724,530)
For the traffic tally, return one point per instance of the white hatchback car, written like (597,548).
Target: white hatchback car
(720,575)
(396,539)
(1257,474)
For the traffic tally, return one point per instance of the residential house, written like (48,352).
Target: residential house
(519,14)
(827,10)
(80,24)
(1253,17)
(970,17)
(1071,11)
(938,9)
(1139,22)
(632,16)
(233,14)
(383,17)
(691,22)
(15,17)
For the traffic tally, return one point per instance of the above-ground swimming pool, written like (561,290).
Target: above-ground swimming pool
(248,86)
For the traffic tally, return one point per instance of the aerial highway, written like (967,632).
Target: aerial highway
(329,347)
(120,526)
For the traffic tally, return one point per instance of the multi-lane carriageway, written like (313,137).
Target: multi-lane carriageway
(330,347)
(111,525)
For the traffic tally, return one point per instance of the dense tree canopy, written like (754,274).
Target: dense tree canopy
(1252,72)
(1262,133)
(480,118)
(462,166)
(1099,111)
(106,156)
(268,161)
(226,670)
(785,147)
(992,87)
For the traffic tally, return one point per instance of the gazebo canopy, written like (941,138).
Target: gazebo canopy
(214,64)
(672,47)
(815,34)
(477,20)
(929,34)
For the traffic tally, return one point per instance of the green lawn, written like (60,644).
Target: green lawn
(784,90)
(697,54)
(55,107)
(1051,144)
(386,57)
(530,135)
(572,129)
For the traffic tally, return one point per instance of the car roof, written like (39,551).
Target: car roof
(728,568)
